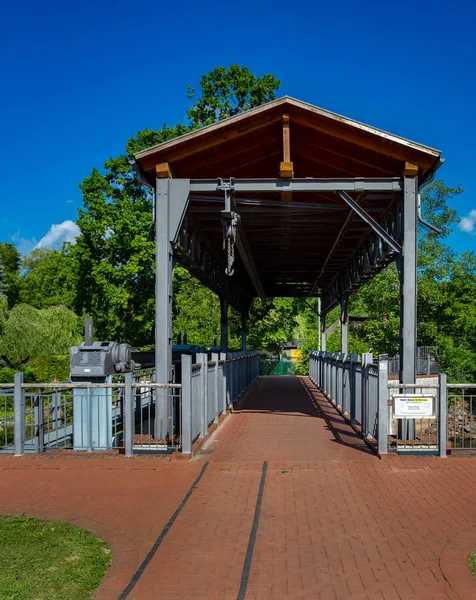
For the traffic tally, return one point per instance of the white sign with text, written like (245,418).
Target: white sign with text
(413,406)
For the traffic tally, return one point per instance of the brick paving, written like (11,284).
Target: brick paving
(336,521)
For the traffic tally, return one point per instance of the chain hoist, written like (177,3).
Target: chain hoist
(231,220)
(230,229)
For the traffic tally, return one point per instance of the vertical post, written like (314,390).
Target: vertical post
(225,380)
(443,415)
(367,358)
(319,305)
(187,404)
(323,332)
(39,410)
(202,358)
(224,324)
(408,285)
(88,331)
(215,359)
(19,415)
(128,415)
(352,390)
(382,432)
(344,325)
(163,305)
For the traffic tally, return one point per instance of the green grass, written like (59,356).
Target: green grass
(472,561)
(49,560)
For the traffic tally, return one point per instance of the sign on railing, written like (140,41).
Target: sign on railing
(416,406)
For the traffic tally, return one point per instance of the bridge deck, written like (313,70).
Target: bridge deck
(285,502)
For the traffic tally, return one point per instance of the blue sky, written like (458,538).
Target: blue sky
(80,78)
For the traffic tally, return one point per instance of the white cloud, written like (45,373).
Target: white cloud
(468,223)
(67,231)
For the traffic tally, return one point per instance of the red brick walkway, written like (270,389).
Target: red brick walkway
(336,522)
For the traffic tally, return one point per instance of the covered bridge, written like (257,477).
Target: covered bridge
(286,199)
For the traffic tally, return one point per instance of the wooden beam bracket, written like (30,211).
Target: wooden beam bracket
(163,171)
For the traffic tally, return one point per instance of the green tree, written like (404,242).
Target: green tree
(48,279)
(227,92)
(29,332)
(9,272)
(114,255)
(272,324)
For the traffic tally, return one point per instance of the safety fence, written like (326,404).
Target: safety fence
(359,387)
(130,412)
(462,416)
(209,388)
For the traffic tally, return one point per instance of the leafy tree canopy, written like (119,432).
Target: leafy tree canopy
(114,255)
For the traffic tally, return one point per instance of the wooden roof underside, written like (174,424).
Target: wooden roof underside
(289,240)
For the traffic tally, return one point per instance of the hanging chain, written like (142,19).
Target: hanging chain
(230,228)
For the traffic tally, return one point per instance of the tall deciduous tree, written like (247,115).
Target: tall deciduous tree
(227,92)
(48,279)
(114,253)
(10,271)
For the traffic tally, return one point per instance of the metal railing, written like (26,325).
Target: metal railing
(462,416)
(121,414)
(425,435)
(425,365)
(209,388)
(359,388)
(352,383)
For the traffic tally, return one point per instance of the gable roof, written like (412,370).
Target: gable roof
(323,144)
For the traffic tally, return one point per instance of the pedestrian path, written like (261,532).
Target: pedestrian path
(285,501)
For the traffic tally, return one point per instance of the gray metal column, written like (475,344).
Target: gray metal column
(408,289)
(129,421)
(382,432)
(216,400)
(442,416)
(344,326)
(187,404)
(163,306)
(18,415)
(224,324)
(323,332)
(202,358)
(408,282)
(319,306)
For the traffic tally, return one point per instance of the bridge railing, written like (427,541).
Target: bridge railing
(351,382)
(359,387)
(210,387)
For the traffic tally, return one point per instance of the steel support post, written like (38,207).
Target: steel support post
(224,324)
(129,414)
(18,415)
(443,416)
(215,359)
(408,291)
(225,382)
(323,332)
(319,308)
(344,325)
(187,404)
(39,433)
(382,431)
(163,306)
(202,358)
(352,374)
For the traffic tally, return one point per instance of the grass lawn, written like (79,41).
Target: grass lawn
(472,561)
(49,560)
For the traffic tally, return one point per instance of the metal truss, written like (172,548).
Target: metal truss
(191,250)
(373,256)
